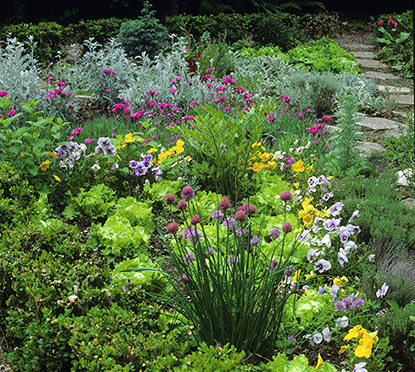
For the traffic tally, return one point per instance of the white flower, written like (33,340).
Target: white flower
(382,291)
(341,257)
(359,367)
(322,266)
(96,167)
(316,338)
(327,334)
(342,322)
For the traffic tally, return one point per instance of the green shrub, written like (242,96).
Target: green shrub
(398,323)
(382,214)
(275,31)
(218,56)
(145,34)
(272,51)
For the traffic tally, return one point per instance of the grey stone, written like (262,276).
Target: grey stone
(359,47)
(404,100)
(368,147)
(397,133)
(404,176)
(409,202)
(371,63)
(369,55)
(83,98)
(390,89)
(379,76)
(377,123)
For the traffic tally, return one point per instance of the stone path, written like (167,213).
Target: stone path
(403,97)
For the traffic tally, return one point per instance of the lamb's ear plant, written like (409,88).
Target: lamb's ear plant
(227,288)
(345,158)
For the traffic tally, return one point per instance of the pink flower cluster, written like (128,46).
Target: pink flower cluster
(391,21)
(107,71)
(3,93)
(75,132)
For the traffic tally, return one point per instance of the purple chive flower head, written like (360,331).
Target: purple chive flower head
(195,220)
(192,234)
(358,302)
(182,205)
(172,228)
(273,265)
(183,278)
(248,209)
(224,204)
(286,227)
(188,257)
(254,240)
(230,223)
(188,193)
(233,260)
(217,215)
(169,199)
(286,196)
(274,233)
(240,216)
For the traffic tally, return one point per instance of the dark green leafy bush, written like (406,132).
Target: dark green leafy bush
(398,323)
(275,31)
(145,34)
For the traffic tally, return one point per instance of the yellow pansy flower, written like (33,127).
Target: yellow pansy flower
(308,276)
(343,348)
(52,155)
(180,143)
(319,361)
(45,165)
(296,276)
(296,185)
(129,138)
(257,167)
(340,281)
(298,166)
(152,150)
(57,178)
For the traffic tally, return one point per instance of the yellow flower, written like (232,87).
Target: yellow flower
(21,154)
(364,349)
(57,178)
(129,138)
(118,157)
(298,166)
(272,164)
(180,143)
(152,150)
(179,149)
(343,291)
(308,276)
(296,185)
(52,155)
(355,332)
(45,165)
(340,281)
(310,169)
(319,361)
(343,348)
(257,167)
(296,276)
(187,159)
(306,202)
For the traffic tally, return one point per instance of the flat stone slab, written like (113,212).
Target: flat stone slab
(404,100)
(403,177)
(371,63)
(409,202)
(359,47)
(390,89)
(368,147)
(377,123)
(367,55)
(397,133)
(380,76)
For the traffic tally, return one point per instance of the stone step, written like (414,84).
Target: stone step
(404,176)
(366,55)
(404,100)
(409,202)
(358,47)
(371,64)
(375,123)
(397,132)
(391,89)
(368,147)
(403,115)
(380,76)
